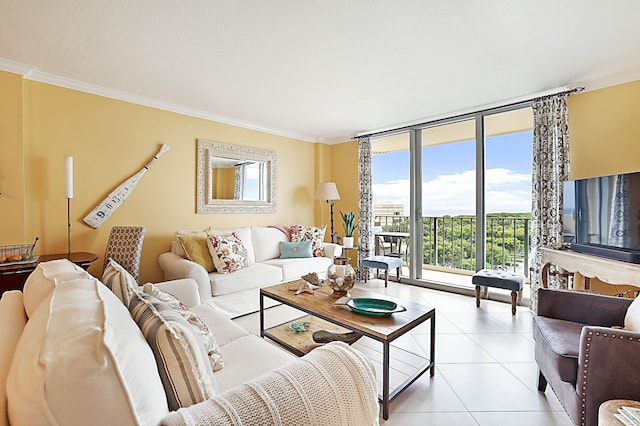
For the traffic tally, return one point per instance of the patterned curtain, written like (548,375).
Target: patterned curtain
(619,221)
(550,169)
(365,207)
(239,181)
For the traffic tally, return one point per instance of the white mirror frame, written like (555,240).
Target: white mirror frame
(205,204)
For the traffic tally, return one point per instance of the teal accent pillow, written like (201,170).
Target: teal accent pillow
(298,249)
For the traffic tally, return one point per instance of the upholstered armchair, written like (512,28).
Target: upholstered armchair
(583,359)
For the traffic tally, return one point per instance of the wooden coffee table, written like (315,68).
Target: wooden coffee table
(382,329)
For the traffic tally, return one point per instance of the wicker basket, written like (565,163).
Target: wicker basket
(18,253)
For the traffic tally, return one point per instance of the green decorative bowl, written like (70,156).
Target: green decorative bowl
(374,307)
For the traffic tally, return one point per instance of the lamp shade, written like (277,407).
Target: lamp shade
(327,191)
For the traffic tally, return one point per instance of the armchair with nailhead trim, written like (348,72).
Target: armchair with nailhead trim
(584,360)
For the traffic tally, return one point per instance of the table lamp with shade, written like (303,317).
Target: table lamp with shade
(328,192)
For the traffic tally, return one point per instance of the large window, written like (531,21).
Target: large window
(460,189)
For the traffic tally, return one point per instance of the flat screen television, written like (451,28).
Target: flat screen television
(602,216)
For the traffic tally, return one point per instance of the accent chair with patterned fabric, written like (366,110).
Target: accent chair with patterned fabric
(125,247)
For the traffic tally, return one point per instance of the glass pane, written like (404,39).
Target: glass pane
(391,193)
(508,148)
(449,199)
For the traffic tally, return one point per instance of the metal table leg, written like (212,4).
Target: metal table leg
(385,380)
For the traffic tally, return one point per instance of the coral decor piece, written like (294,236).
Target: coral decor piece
(312,278)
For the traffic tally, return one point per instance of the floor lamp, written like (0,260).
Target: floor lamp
(328,192)
(69,190)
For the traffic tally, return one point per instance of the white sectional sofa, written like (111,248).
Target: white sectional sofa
(237,293)
(72,354)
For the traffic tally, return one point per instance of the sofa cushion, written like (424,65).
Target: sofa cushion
(196,250)
(119,281)
(199,325)
(45,277)
(295,268)
(266,242)
(289,250)
(310,233)
(181,358)
(12,321)
(82,330)
(223,329)
(228,252)
(253,276)
(560,341)
(247,358)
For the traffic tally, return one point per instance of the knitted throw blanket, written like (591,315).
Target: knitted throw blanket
(332,385)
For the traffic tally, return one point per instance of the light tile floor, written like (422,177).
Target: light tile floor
(485,369)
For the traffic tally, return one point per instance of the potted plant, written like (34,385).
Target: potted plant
(349,224)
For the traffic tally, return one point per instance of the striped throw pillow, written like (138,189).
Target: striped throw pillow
(119,281)
(200,327)
(181,358)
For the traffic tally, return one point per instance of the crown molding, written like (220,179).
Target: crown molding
(15,67)
(32,73)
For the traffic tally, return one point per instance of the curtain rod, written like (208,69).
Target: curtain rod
(578,89)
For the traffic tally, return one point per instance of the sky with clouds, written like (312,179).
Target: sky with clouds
(448,178)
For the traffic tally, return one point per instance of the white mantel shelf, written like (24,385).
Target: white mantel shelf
(607,270)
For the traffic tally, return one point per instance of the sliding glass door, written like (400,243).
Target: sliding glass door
(459,190)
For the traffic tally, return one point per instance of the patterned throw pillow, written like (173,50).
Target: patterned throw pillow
(195,246)
(119,281)
(228,253)
(181,358)
(201,328)
(310,233)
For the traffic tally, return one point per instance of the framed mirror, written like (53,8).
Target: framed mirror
(235,179)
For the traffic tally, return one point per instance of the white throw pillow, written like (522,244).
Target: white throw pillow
(12,322)
(632,317)
(82,360)
(45,277)
(201,328)
(181,358)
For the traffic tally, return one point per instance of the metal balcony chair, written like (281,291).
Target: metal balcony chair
(386,246)
(125,247)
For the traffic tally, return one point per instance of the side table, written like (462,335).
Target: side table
(13,277)
(346,251)
(609,408)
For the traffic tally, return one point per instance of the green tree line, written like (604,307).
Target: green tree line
(451,241)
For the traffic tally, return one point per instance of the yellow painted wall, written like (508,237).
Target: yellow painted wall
(223,182)
(110,140)
(604,128)
(344,169)
(11,161)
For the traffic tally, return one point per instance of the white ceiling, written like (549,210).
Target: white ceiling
(321,70)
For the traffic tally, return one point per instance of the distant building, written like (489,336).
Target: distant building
(387,209)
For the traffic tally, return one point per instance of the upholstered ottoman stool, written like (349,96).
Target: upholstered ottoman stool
(382,262)
(499,279)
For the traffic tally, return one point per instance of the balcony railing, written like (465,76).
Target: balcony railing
(449,242)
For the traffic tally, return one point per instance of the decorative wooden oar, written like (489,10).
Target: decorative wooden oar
(102,211)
